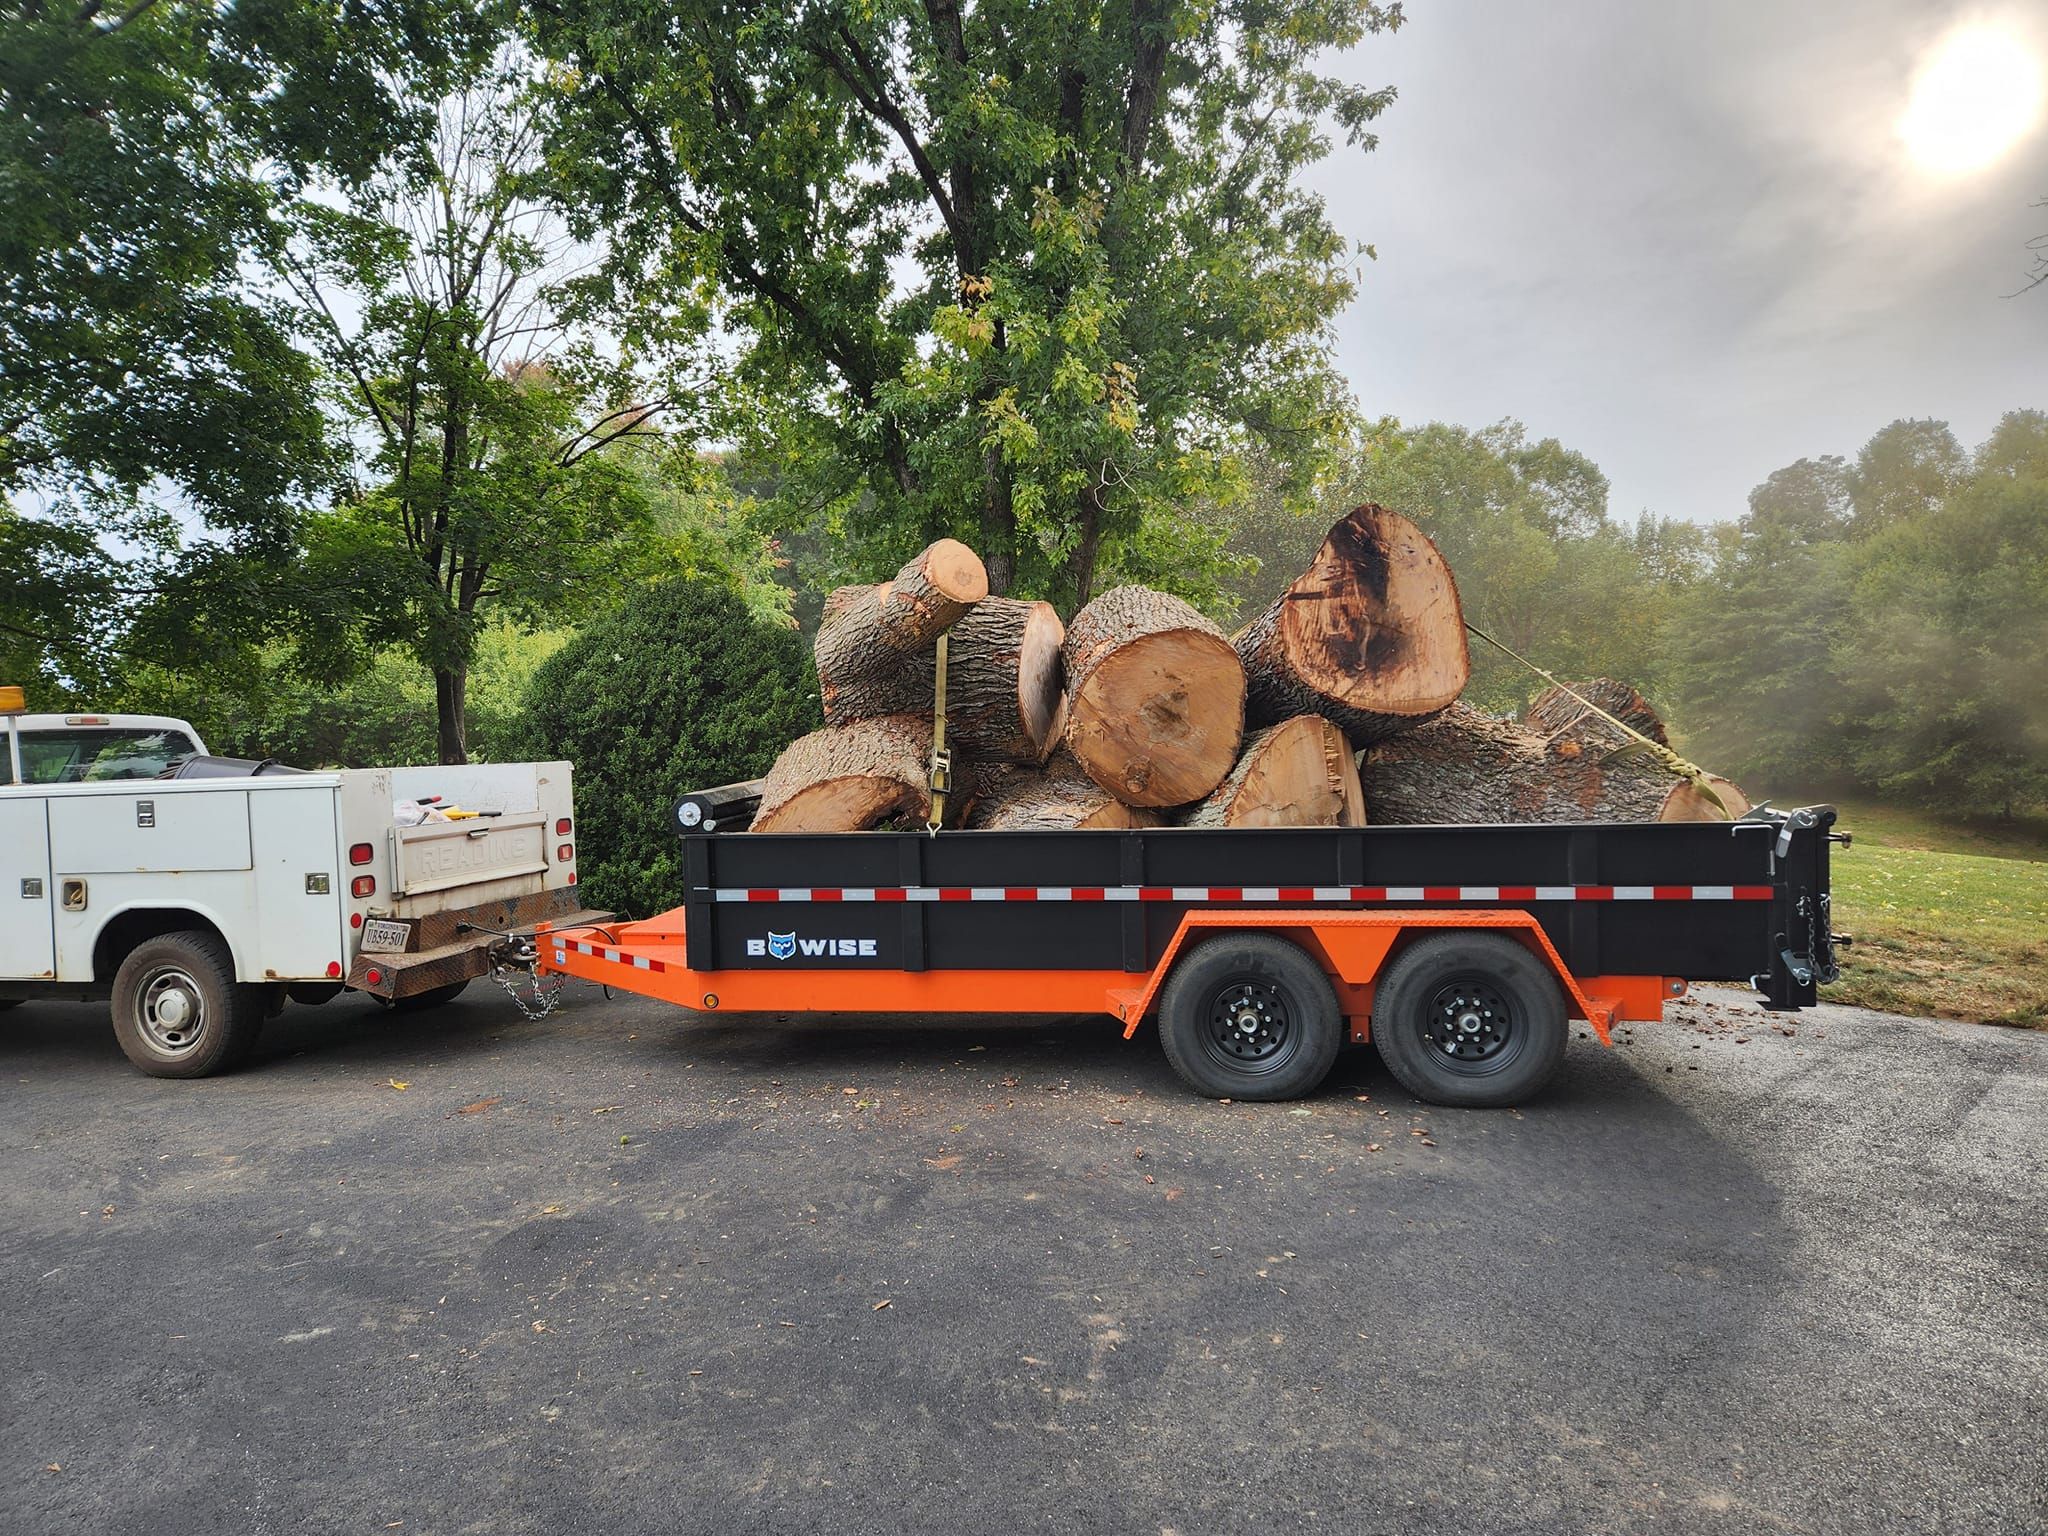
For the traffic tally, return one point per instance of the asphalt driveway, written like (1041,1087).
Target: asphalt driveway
(627,1271)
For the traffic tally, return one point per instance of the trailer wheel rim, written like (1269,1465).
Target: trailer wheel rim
(1251,1027)
(170,1011)
(1472,1026)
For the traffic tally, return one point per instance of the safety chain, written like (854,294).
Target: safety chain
(514,969)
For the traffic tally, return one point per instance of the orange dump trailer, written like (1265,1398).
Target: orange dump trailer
(1462,952)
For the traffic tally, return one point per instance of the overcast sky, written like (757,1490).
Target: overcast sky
(1685,240)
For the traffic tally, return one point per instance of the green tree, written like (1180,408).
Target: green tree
(1941,650)
(1905,471)
(145,152)
(678,689)
(1035,275)
(494,417)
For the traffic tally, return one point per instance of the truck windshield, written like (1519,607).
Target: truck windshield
(90,756)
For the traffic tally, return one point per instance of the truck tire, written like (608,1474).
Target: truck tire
(178,1010)
(1472,1020)
(433,997)
(1250,1016)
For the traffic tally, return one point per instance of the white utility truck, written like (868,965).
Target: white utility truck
(197,893)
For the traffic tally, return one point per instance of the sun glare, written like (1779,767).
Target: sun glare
(1977,95)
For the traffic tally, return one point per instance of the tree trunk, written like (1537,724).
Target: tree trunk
(1300,773)
(1004,700)
(1155,698)
(1370,635)
(1557,716)
(451,697)
(865,632)
(1059,797)
(1467,767)
(847,778)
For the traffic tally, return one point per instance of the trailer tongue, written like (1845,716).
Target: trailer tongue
(1462,951)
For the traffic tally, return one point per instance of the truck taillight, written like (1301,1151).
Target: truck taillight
(361,853)
(561,826)
(565,853)
(362,885)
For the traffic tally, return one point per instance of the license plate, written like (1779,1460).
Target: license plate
(381,936)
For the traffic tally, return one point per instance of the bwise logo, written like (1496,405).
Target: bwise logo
(781,946)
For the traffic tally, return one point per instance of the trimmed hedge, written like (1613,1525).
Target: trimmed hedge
(680,689)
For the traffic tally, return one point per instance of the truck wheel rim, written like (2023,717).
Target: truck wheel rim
(171,1011)
(1250,1027)
(1471,1027)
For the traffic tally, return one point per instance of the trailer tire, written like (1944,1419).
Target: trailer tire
(178,1010)
(1250,1016)
(1471,1020)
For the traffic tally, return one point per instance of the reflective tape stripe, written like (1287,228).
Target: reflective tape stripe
(1293,895)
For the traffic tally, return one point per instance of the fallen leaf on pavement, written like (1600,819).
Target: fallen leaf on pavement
(480,1106)
(392,1082)
(881,1304)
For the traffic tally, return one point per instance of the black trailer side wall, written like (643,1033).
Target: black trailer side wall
(1694,939)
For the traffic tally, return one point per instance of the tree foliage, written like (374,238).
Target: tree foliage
(1035,275)
(1879,625)
(679,689)
(491,415)
(144,154)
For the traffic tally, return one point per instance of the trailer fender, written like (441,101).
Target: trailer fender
(1354,947)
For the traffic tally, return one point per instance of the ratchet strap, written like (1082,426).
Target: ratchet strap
(942,760)
(1637,741)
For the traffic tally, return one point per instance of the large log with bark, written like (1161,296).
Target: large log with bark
(866,633)
(848,778)
(1005,698)
(1058,797)
(1155,698)
(1559,716)
(1370,636)
(1299,773)
(1467,767)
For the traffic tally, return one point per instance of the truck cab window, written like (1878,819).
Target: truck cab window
(92,756)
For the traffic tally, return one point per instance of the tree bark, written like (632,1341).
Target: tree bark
(451,703)
(1370,636)
(1467,767)
(865,632)
(1004,698)
(1299,773)
(1557,716)
(1155,698)
(1059,797)
(848,778)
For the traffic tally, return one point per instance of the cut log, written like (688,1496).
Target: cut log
(1370,635)
(1467,767)
(728,808)
(1155,698)
(847,778)
(1004,698)
(1299,773)
(865,632)
(1557,716)
(1059,797)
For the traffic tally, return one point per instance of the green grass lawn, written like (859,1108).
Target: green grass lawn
(1950,916)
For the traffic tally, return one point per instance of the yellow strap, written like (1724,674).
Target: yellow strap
(942,760)
(1639,742)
